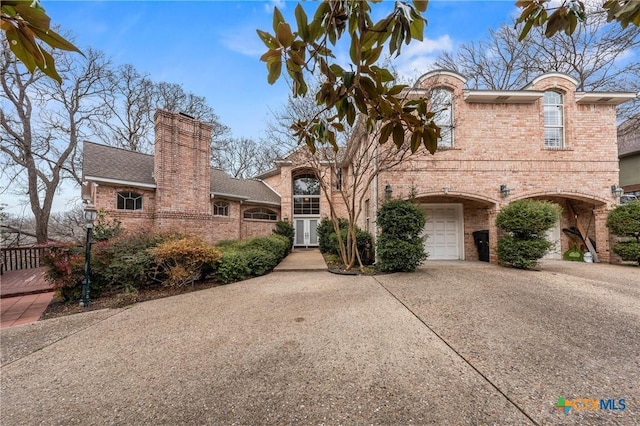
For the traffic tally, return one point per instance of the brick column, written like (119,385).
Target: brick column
(603,240)
(493,235)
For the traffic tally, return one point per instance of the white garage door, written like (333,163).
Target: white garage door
(443,232)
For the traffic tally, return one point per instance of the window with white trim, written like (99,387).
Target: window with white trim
(261,213)
(129,201)
(306,195)
(221,208)
(442,106)
(553,119)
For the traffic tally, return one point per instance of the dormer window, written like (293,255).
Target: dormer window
(442,106)
(129,201)
(553,120)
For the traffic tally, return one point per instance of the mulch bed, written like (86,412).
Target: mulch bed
(58,308)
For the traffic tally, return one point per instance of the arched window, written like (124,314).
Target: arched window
(306,195)
(221,208)
(442,105)
(129,201)
(261,213)
(553,120)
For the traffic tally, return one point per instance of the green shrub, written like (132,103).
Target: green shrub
(397,255)
(233,266)
(327,240)
(628,250)
(399,246)
(624,221)
(260,261)
(528,218)
(526,222)
(522,253)
(286,230)
(276,244)
(180,262)
(400,219)
(105,228)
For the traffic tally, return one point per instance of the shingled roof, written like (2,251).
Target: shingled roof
(116,165)
(629,137)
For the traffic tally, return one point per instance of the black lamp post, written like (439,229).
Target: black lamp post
(90,214)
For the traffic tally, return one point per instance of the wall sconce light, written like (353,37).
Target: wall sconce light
(445,190)
(505,191)
(388,191)
(617,191)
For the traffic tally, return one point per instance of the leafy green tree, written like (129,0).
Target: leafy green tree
(624,221)
(526,222)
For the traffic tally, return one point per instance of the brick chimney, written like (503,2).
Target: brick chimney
(182,166)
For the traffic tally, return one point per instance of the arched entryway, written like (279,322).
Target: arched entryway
(306,209)
(454,222)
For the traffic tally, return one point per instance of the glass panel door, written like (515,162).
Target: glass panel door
(313,232)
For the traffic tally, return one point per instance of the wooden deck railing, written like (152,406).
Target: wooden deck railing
(14,258)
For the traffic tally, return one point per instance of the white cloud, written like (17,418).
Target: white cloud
(244,42)
(416,58)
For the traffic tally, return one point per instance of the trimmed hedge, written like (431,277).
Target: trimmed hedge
(526,222)
(399,246)
(624,221)
(254,257)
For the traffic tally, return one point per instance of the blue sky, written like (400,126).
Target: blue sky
(211,47)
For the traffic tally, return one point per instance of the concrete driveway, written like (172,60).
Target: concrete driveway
(454,343)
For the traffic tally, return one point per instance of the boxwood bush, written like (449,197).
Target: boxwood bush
(526,223)
(399,247)
(253,257)
(624,221)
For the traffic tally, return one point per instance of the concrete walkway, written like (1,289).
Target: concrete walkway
(302,260)
(466,344)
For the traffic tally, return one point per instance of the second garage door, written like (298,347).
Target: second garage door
(443,232)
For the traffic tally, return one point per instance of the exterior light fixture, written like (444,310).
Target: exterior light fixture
(90,215)
(505,191)
(445,190)
(388,191)
(617,191)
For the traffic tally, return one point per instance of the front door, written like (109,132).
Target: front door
(306,232)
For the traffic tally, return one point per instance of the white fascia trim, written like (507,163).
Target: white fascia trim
(502,96)
(230,196)
(120,182)
(609,98)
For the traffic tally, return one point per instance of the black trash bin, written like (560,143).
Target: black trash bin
(481,238)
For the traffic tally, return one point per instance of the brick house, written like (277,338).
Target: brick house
(547,141)
(176,189)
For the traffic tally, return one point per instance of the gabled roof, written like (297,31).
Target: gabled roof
(116,165)
(101,163)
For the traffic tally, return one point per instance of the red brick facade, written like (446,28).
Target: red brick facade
(498,142)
